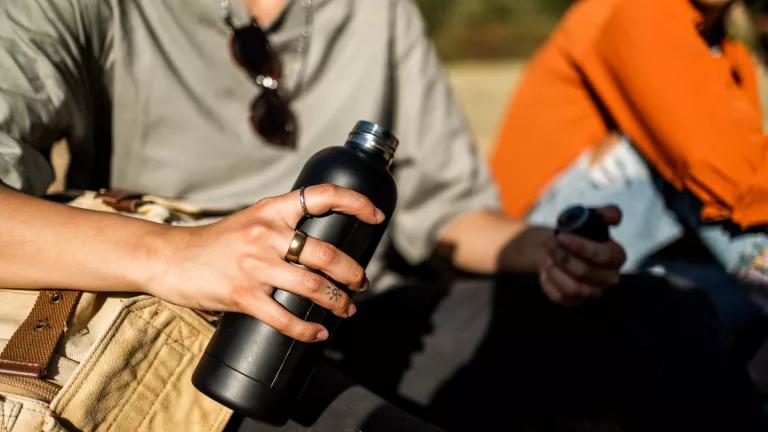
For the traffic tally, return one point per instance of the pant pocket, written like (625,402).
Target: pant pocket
(19,414)
(138,376)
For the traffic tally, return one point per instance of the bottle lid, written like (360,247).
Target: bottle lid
(374,137)
(572,218)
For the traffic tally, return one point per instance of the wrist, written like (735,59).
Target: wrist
(527,252)
(154,256)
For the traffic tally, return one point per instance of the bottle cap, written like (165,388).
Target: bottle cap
(374,137)
(572,218)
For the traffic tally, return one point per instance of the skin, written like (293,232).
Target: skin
(231,265)
(571,269)
(234,264)
(265,11)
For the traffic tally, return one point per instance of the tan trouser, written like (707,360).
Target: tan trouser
(136,378)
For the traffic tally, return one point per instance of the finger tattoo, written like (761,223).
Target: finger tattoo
(333,292)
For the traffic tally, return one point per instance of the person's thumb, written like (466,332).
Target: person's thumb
(611,214)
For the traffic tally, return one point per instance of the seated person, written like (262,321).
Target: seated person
(150,100)
(648,104)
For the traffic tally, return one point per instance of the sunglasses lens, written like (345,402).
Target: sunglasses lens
(252,51)
(270,115)
(273,120)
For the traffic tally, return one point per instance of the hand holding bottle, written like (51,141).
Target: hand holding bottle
(582,260)
(234,265)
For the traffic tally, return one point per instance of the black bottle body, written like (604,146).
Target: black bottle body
(252,368)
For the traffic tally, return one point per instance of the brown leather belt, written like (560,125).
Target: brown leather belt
(24,360)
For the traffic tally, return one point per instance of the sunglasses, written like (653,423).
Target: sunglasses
(271,117)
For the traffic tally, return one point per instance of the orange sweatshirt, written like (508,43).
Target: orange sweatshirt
(640,67)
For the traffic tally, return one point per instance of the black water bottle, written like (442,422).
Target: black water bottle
(252,368)
(583,222)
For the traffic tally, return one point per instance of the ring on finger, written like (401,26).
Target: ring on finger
(303,202)
(297,245)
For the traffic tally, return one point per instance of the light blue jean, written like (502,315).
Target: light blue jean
(656,215)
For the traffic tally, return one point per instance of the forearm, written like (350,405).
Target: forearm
(233,265)
(488,242)
(48,245)
(571,269)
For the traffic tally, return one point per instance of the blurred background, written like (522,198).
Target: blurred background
(485,44)
(490,29)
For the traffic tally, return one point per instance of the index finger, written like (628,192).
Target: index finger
(605,254)
(325,198)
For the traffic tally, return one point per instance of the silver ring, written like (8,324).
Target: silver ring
(297,245)
(303,202)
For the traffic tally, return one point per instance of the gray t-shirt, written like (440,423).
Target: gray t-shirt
(155,79)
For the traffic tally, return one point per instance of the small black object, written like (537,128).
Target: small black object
(584,222)
(251,367)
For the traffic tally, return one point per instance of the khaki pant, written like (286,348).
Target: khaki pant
(137,377)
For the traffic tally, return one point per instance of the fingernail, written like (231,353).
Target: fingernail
(322,335)
(351,310)
(366,285)
(379,215)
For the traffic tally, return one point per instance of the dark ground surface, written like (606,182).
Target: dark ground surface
(648,357)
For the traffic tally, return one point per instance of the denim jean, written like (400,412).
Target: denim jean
(656,215)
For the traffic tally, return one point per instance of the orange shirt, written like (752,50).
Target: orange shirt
(640,67)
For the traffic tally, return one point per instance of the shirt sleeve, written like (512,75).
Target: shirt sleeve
(684,107)
(46,49)
(439,173)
